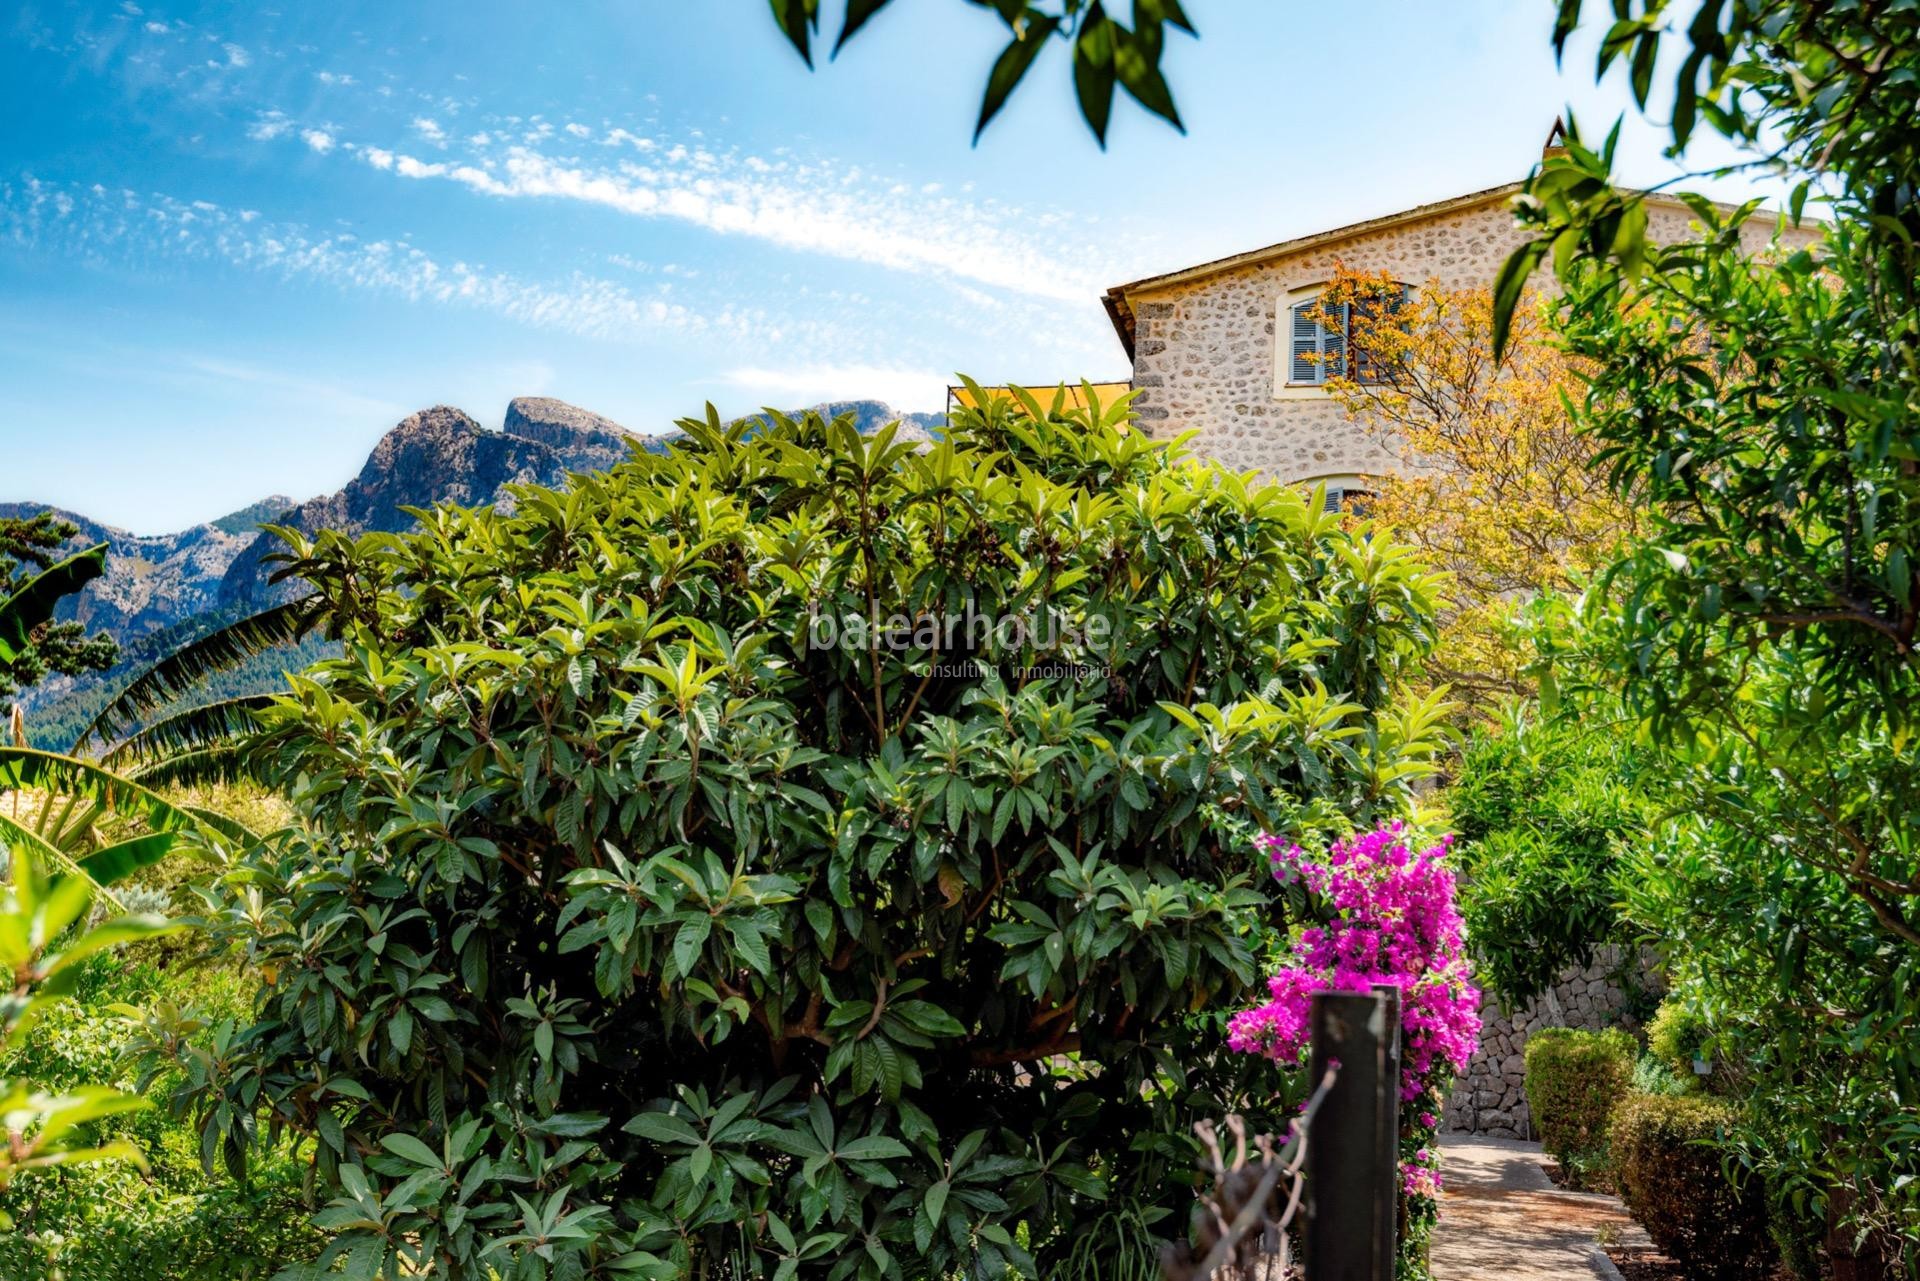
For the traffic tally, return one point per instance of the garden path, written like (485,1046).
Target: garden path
(1502,1219)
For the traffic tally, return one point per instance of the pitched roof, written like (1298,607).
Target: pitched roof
(1120,310)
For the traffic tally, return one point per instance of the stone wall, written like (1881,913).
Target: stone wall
(1204,348)
(1490,1097)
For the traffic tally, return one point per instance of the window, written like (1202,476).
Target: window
(1347,493)
(1350,500)
(1316,352)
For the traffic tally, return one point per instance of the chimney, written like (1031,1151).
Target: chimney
(1556,144)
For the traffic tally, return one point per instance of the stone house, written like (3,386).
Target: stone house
(1225,348)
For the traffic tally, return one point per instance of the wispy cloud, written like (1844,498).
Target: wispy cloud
(110,225)
(808,205)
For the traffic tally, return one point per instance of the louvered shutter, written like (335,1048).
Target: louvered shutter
(1305,345)
(1333,361)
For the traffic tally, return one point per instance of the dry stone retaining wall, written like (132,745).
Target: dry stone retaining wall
(1490,1097)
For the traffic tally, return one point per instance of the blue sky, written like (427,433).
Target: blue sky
(239,242)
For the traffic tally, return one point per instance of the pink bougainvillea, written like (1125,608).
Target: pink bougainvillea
(1392,920)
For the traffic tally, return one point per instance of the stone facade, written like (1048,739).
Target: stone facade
(1490,1097)
(1204,341)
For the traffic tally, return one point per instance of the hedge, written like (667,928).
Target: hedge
(1574,1078)
(1669,1171)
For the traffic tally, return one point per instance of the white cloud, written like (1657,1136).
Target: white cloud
(809,207)
(338,78)
(236,56)
(911,390)
(430,129)
(377,158)
(318,139)
(268,125)
(408,167)
(579,130)
(157,28)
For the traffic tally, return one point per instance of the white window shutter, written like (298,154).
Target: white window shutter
(1304,345)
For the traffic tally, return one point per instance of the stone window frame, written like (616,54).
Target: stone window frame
(1289,301)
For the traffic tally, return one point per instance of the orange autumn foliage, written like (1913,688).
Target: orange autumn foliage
(1495,485)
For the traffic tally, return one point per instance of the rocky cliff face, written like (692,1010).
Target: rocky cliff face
(155,580)
(440,455)
(588,441)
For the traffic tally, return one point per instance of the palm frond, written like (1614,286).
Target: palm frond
(216,763)
(208,725)
(215,652)
(28,769)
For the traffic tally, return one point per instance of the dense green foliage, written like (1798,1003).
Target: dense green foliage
(1763,634)
(1672,1175)
(639,927)
(166,1220)
(1574,1079)
(1680,1037)
(47,936)
(1545,808)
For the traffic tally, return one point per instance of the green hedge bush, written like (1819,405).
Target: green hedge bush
(1574,1079)
(643,924)
(1670,1173)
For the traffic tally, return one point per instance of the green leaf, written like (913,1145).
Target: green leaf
(858,12)
(1011,66)
(409,1148)
(662,1127)
(1508,288)
(117,862)
(1093,73)
(32,605)
(875,1147)
(798,18)
(1137,63)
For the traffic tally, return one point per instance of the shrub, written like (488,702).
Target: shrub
(1543,809)
(169,1221)
(1677,1035)
(1651,1076)
(1574,1078)
(1671,1175)
(654,912)
(1386,916)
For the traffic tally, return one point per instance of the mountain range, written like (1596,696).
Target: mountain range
(162,583)
(155,581)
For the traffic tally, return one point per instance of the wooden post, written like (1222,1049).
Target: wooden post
(1353,1165)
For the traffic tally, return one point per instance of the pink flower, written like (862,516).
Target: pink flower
(1392,919)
